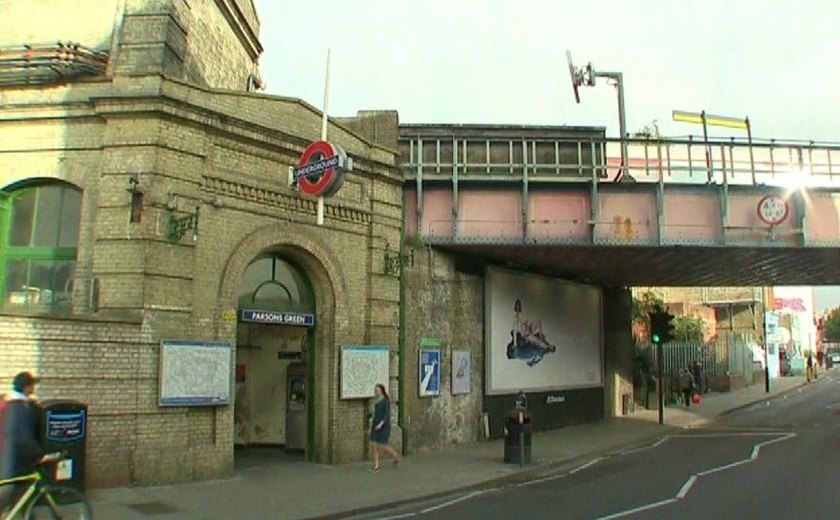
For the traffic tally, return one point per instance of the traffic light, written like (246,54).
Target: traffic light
(656,328)
(661,326)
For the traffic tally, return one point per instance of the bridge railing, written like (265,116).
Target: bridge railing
(681,161)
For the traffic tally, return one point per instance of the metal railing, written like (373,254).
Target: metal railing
(682,161)
(31,64)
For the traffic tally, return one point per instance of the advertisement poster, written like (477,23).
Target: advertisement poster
(461,371)
(542,333)
(429,376)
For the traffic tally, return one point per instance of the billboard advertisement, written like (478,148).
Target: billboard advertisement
(541,333)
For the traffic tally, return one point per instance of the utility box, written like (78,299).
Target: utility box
(518,432)
(63,428)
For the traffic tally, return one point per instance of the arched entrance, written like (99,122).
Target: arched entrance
(274,405)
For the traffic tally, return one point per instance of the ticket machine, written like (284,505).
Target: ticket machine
(297,408)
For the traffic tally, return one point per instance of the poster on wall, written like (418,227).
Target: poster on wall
(362,368)
(461,370)
(429,372)
(542,333)
(194,373)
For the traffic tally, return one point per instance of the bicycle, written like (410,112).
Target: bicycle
(44,500)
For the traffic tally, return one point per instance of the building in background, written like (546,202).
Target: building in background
(724,310)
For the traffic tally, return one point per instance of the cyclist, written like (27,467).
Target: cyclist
(20,449)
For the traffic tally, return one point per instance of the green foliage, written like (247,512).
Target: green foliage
(689,328)
(645,304)
(643,364)
(831,327)
(649,131)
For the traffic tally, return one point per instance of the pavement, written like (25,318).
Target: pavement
(293,489)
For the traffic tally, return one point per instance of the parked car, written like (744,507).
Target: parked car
(833,359)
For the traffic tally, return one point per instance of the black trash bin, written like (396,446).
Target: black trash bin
(514,434)
(64,429)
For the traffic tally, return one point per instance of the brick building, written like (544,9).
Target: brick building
(146,197)
(150,124)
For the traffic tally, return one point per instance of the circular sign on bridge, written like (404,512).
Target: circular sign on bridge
(773,209)
(322,168)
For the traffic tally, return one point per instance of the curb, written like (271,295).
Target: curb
(525,474)
(765,398)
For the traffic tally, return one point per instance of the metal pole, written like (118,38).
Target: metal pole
(750,147)
(521,444)
(324,129)
(708,149)
(659,370)
(622,123)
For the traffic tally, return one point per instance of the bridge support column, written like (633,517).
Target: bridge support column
(618,351)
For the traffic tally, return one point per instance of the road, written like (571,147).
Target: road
(776,459)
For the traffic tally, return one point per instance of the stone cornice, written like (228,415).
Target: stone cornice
(240,25)
(278,199)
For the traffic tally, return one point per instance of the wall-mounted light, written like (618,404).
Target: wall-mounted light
(395,260)
(178,227)
(135,198)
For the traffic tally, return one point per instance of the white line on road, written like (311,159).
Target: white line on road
(583,467)
(686,487)
(639,509)
(561,475)
(452,502)
(395,517)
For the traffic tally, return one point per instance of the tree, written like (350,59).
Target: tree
(689,328)
(643,305)
(831,327)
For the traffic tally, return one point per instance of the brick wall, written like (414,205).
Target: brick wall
(221,152)
(446,304)
(204,43)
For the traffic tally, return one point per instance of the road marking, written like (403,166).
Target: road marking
(452,502)
(639,509)
(561,475)
(395,517)
(686,487)
(590,463)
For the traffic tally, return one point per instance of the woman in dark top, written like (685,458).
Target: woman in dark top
(380,429)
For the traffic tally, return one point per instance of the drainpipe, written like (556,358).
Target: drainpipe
(401,341)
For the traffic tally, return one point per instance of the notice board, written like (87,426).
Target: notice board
(362,368)
(195,373)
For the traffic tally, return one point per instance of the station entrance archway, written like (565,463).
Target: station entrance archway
(274,406)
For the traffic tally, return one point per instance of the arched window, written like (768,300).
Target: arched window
(39,237)
(271,283)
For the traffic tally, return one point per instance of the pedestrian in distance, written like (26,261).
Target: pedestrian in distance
(686,384)
(380,429)
(809,368)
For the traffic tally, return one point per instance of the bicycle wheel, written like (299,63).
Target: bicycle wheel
(59,503)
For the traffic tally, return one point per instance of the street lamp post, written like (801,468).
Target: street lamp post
(586,76)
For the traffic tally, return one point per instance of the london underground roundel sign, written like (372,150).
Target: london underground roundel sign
(773,209)
(321,170)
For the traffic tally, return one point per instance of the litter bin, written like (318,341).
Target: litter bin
(515,434)
(64,428)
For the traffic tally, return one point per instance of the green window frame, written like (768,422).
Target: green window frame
(39,237)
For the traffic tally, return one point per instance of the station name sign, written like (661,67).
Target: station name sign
(278,318)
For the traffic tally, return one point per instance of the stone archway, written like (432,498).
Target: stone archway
(322,267)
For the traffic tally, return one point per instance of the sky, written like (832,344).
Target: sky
(503,62)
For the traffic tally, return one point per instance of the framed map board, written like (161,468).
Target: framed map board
(195,373)
(362,368)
